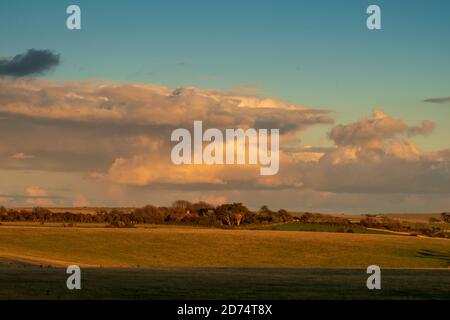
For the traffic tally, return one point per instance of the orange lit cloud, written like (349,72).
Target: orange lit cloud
(115,138)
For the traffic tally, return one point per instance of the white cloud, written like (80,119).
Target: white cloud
(119,134)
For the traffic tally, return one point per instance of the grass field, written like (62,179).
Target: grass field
(319,228)
(161,247)
(161,262)
(20,281)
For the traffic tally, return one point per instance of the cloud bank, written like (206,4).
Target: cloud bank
(113,141)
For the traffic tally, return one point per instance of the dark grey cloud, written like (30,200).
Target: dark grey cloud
(438,100)
(30,63)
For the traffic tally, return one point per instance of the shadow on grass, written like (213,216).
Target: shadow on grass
(23,281)
(432,254)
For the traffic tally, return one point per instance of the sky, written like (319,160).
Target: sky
(363,94)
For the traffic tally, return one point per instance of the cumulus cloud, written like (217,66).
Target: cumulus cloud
(121,132)
(30,63)
(374,155)
(438,100)
(376,132)
(372,132)
(152,106)
(117,136)
(95,126)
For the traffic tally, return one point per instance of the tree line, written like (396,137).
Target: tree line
(180,212)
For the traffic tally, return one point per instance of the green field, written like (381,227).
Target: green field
(160,247)
(21,281)
(320,228)
(161,262)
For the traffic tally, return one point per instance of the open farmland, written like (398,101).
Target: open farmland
(160,247)
(320,228)
(23,281)
(174,262)
(168,262)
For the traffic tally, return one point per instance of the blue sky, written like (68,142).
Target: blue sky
(315,53)
(318,54)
